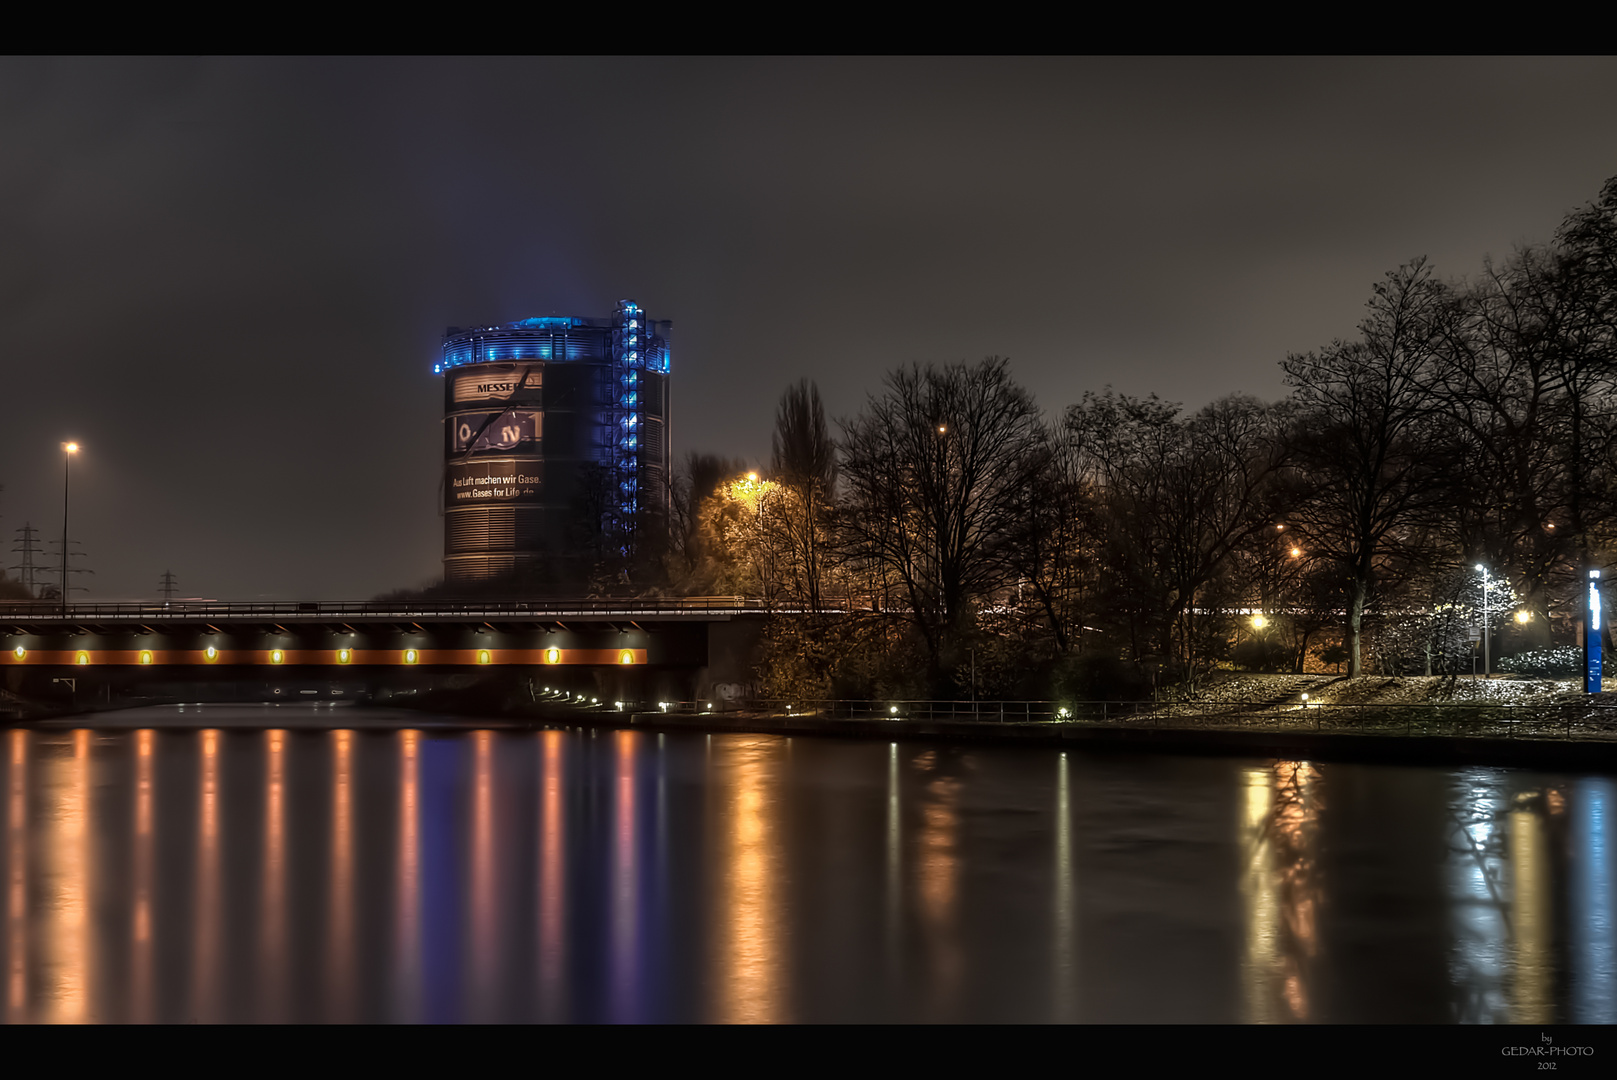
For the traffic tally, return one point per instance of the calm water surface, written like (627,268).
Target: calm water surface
(277,865)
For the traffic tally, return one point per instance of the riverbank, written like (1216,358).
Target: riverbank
(1249,736)
(1500,722)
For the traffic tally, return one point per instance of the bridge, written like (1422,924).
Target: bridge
(642,650)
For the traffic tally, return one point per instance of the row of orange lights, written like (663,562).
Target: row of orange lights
(278,656)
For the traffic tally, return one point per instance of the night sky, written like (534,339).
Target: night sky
(229,278)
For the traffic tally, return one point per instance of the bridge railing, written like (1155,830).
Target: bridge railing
(183,609)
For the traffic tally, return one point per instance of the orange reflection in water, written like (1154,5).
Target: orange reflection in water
(140,930)
(17,881)
(407,977)
(1532,998)
(272,913)
(1282,889)
(753,989)
(625,882)
(938,875)
(552,883)
(340,922)
(66,791)
(205,956)
(484,924)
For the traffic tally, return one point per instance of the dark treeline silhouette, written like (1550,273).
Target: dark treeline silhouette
(987,550)
(970,545)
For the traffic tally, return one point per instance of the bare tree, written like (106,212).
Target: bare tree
(1366,436)
(804,466)
(1181,496)
(934,471)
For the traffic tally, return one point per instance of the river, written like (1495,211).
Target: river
(244,863)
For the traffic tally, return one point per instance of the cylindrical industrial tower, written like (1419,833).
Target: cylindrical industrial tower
(555,442)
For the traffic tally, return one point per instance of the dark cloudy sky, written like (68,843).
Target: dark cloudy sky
(229,278)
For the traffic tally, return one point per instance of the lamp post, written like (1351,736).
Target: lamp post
(1486,636)
(68,450)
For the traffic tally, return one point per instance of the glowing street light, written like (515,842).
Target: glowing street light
(68,450)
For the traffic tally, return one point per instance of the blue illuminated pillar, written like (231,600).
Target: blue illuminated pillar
(1591,637)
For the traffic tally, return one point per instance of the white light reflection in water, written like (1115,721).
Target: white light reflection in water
(17,880)
(895,871)
(407,895)
(340,919)
(140,930)
(749,966)
(1065,990)
(1477,898)
(1593,945)
(272,907)
(552,884)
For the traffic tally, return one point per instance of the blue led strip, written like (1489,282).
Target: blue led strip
(630,336)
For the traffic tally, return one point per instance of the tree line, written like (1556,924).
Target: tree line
(971,537)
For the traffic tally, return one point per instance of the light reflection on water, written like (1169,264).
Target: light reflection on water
(301,873)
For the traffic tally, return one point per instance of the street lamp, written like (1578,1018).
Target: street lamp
(1485,628)
(68,450)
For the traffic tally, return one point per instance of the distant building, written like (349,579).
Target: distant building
(555,441)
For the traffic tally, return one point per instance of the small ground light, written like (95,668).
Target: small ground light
(893,710)
(1064,712)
